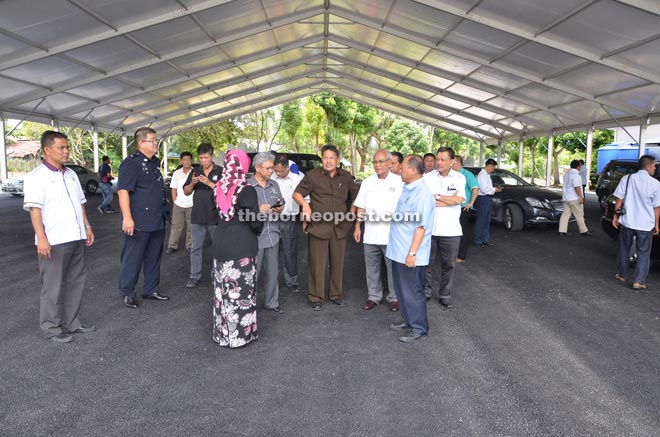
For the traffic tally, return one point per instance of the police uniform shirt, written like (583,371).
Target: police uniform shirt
(204,211)
(141,177)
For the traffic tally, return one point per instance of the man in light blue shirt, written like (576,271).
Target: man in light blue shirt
(409,247)
(639,194)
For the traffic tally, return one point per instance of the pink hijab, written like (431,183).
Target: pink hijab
(232,183)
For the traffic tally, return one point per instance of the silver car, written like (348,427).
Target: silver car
(88,181)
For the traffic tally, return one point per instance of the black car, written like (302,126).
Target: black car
(305,161)
(520,203)
(609,178)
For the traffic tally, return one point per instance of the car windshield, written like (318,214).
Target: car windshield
(503,177)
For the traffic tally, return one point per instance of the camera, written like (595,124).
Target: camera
(620,211)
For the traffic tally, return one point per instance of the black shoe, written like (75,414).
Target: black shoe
(155,296)
(62,337)
(278,310)
(294,289)
(84,329)
(563,234)
(316,306)
(445,303)
(130,302)
(587,234)
(192,283)
(400,327)
(339,302)
(411,338)
(428,298)
(170,250)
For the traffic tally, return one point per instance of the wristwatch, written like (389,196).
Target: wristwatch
(412,253)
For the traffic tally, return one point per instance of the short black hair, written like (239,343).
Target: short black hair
(48,138)
(490,161)
(141,133)
(459,159)
(282,159)
(645,161)
(416,162)
(399,155)
(330,147)
(452,155)
(204,148)
(105,158)
(184,154)
(426,155)
(575,163)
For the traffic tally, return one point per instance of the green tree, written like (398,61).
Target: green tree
(338,113)
(406,138)
(314,125)
(291,122)
(574,143)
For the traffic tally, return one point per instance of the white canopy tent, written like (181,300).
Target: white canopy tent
(491,70)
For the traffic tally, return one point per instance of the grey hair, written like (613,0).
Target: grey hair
(416,162)
(262,157)
(388,153)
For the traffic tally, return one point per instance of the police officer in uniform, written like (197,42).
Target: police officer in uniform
(144,209)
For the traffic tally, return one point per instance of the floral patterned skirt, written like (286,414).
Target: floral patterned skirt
(235,308)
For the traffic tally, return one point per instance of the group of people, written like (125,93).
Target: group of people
(407,215)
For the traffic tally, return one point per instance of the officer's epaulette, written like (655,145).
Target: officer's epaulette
(133,155)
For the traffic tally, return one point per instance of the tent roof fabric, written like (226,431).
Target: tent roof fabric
(485,69)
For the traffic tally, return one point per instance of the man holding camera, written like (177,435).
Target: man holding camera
(637,214)
(573,198)
(204,217)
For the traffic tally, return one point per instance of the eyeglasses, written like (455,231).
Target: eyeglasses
(266,168)
(379,161)
(153,140)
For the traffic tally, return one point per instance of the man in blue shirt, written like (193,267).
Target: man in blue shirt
(144,209)
(639,194)
(409,247)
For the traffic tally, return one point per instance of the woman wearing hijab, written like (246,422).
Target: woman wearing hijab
(235,250)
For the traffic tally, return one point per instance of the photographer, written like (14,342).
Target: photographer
(637,213)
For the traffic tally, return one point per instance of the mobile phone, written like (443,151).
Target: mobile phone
(277,205)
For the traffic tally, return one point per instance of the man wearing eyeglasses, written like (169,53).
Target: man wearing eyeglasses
(376,202)
(144,209)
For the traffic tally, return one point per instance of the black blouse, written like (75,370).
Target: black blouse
(237,238)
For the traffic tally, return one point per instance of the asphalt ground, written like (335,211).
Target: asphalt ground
(541,341)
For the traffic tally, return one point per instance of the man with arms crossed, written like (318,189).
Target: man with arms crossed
(448,188)
(54,199)
(409,247)
(639,194)
(376,202)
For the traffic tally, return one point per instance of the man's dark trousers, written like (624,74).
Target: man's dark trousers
(643,243)
(142,248)
(465,225)
(409,288)
(484,206)
(447,250)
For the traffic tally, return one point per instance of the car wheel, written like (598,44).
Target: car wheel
(91,186)
(602,200)
(513,218)
(16,195)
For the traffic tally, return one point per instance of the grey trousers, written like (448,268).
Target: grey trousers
(63,277)
(268,258)
(289,242)
(198,235)
(447,248)
(373,255)
(180,217)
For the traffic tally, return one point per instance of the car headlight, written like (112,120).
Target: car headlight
(534,202)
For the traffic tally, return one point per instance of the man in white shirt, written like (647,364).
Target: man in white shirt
(573,198)
(182,204)
(584,175)
(55,200)
(288,181)
(448,188)
(639,194)
(397,159)
(376,202)
(484,203)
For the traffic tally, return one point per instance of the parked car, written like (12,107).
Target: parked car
(13,186)
(520,203)
(610,176)
(305,161)
(606,223)
(88,181)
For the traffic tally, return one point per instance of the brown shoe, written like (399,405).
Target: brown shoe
(394,306)
(638,286)
(370,305)
(459,260)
